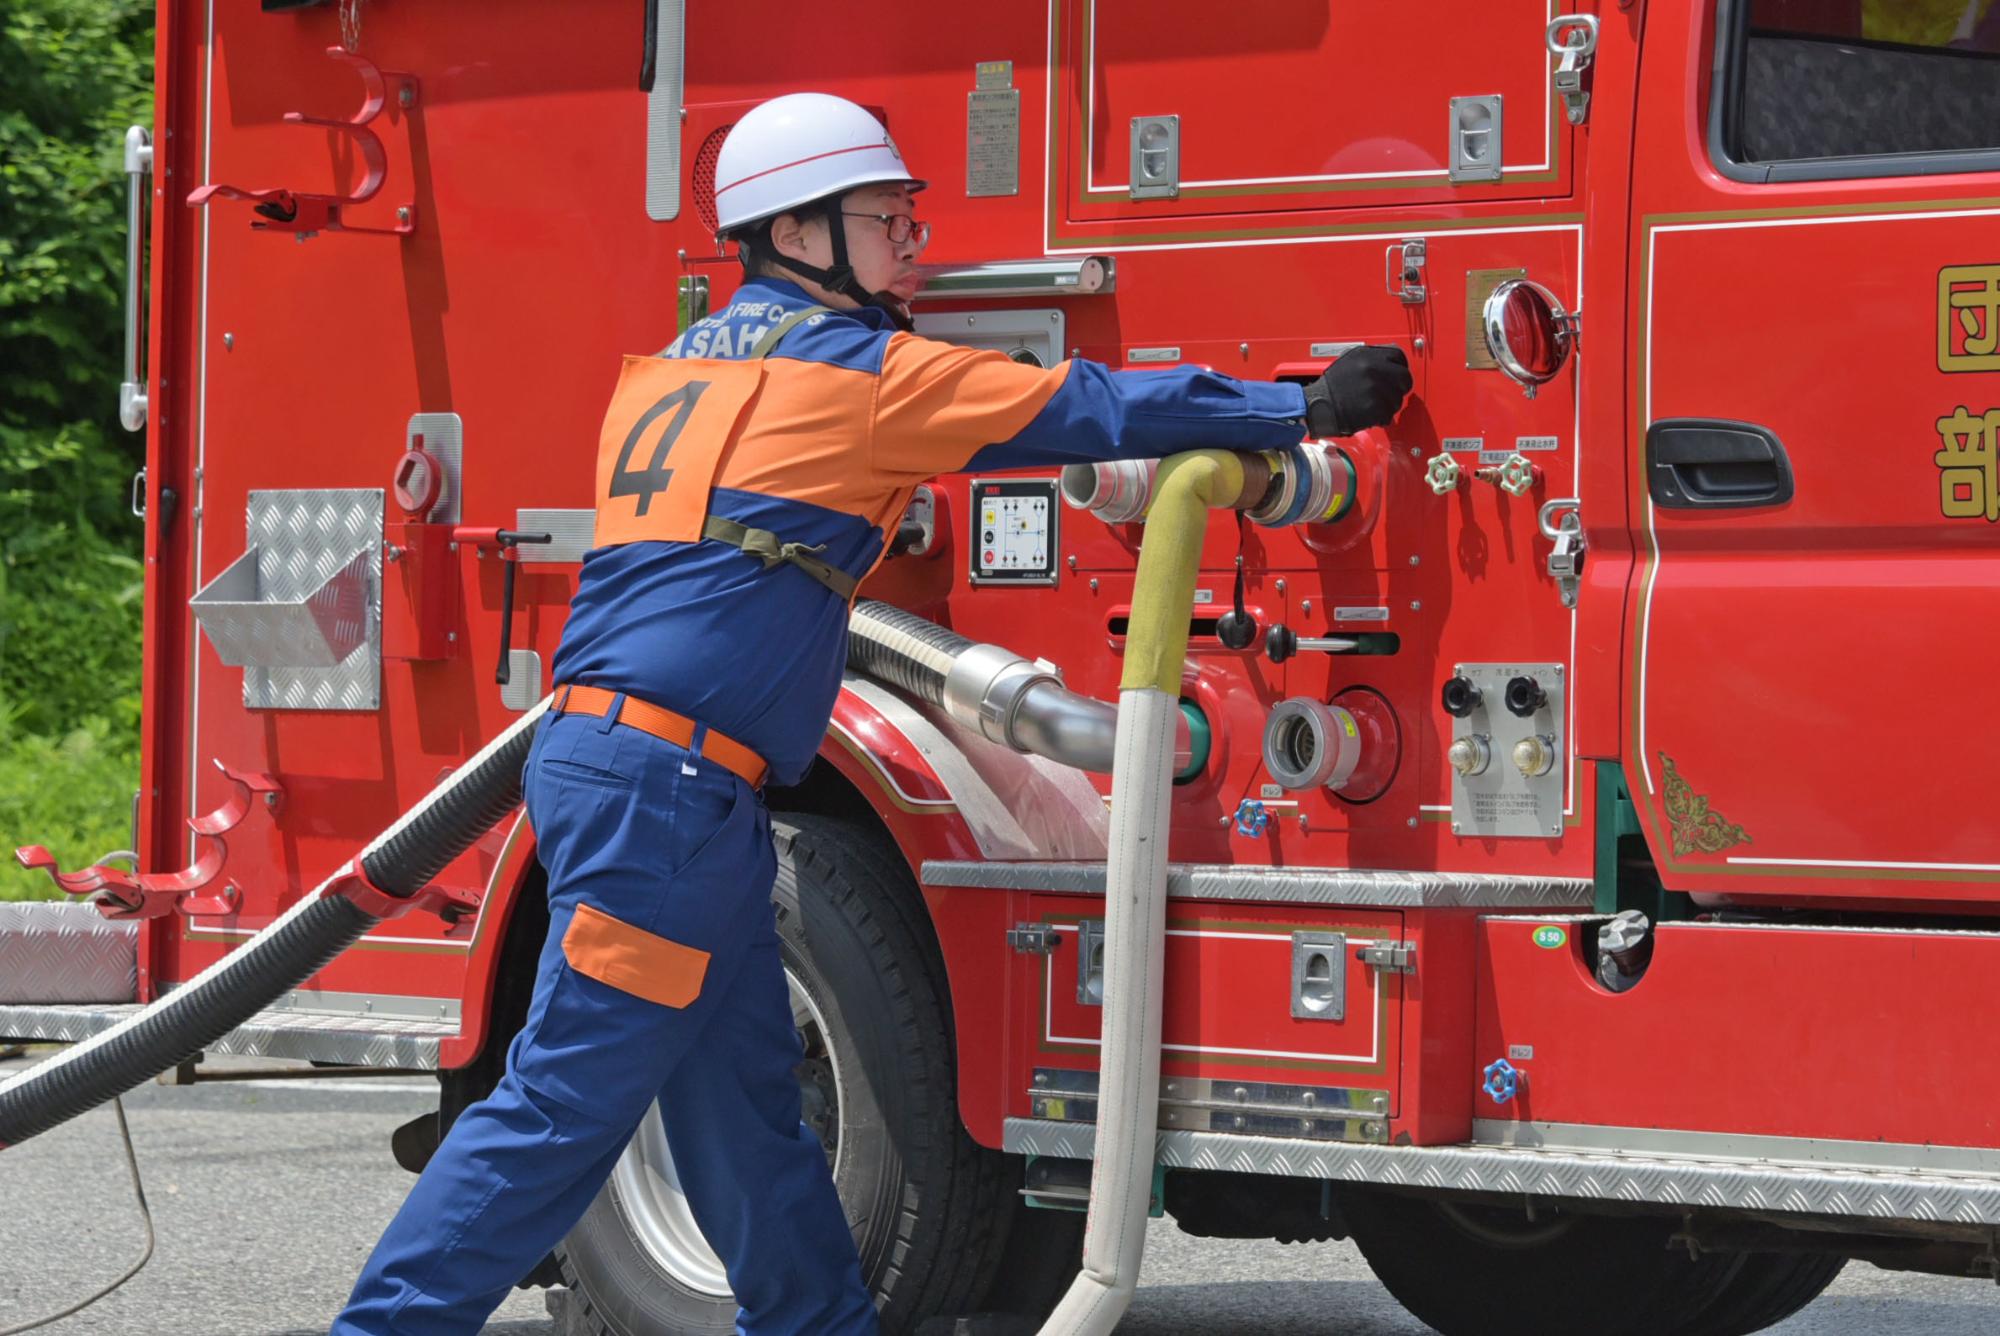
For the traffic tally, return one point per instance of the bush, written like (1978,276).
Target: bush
(72,794)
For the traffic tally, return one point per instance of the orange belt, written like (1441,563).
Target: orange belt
(661,723)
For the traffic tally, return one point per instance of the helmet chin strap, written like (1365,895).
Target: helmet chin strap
(840,276)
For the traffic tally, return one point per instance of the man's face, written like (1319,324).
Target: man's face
(880,265)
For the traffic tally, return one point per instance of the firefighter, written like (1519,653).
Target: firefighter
(747,479)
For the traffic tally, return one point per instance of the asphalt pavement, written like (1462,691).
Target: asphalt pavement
(268,1195)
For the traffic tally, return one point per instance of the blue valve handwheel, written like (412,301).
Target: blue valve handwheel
(1503,1081)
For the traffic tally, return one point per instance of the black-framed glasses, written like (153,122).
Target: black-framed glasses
(902,228)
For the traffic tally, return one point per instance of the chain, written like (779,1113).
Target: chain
(350,24)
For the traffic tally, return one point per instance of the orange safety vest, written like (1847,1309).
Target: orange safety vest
(671,422)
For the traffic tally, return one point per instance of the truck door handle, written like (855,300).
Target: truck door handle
(1711,464)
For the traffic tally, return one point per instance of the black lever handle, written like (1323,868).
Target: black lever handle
(1711,464)
(508,538)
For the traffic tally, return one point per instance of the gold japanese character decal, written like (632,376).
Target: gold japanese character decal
(1696,828)
(1969,465)
(1969,317)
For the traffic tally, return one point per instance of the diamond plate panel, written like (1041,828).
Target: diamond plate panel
(306,535)
(1318,886)
(269,1034)
(1802,1189)
(59,951)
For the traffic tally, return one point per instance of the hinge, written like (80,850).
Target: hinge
(1390,957)
(1574,38)
(1034,939)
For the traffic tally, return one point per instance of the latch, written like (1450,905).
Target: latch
(1561,522)
(1033,939)
(1574,38)
(1403,271)
(1390,957)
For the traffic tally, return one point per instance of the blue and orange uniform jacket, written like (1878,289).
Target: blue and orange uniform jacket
(852,415)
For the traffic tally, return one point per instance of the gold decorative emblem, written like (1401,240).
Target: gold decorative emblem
(1969,465)
(1969,317)
(1695,828)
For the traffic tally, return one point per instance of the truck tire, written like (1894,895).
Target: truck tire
(1767,1289)
(1477,1270)
(931,1208)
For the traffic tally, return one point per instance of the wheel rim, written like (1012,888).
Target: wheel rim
(648,1189)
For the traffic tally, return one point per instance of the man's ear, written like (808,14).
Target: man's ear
(788,236)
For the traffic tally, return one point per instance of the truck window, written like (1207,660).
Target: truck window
(1813,89)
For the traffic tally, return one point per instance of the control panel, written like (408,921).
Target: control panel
(1013,539)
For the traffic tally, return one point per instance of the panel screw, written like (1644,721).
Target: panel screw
(406,96)
(1281,586)
(1411,823)
(228,339)
(1417,344)
(1416,561)
(403,215)
(1416,452)
(1305,607)
(451,637)
(1093,584)
(1416,605)
(1371,1130)
(1072,560)
(1244,348)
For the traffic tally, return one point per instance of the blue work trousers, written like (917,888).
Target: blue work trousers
(677,848)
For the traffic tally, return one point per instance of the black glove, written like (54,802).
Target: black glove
(1363,389)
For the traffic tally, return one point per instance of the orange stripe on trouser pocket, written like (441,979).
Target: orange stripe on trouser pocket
(632,960)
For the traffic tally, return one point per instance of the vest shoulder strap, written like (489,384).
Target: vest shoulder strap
(769,342)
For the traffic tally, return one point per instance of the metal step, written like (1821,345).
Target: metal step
(276,1032)
(1801,1178)
(63,951)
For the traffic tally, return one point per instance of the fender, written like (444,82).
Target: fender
(512,870)
(942,792)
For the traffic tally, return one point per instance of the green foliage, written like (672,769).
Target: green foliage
(73,75)
(72,794)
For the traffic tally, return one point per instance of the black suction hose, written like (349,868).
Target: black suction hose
(902,649)
(400,861)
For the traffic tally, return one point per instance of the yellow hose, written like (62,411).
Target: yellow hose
(1190,485)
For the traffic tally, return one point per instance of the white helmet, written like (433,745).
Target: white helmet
(799,148)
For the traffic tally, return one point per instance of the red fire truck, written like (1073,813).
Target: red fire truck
(1560,903)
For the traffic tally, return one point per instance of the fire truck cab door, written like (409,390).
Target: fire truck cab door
(1814,491)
